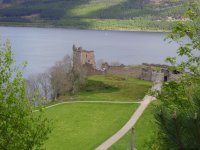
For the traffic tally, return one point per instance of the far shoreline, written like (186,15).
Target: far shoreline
(82,28)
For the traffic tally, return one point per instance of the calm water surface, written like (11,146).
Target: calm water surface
(42,47)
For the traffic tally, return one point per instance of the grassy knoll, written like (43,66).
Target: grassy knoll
(144,132)
(84,126)
(113,88)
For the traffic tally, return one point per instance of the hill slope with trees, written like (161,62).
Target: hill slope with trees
(101,14)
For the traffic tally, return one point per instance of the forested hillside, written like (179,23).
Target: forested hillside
(95,14)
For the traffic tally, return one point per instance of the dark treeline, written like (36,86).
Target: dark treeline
(14,19)
(53,13)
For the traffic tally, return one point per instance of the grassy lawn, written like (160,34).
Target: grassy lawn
(85,126)
(144,132)
(113,88)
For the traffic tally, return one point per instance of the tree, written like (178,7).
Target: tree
(190,30)
(60,77)
(44,81)
(7,1)
(52,13)
(38,85)
(66,78)
(20,127)
(138,3)
(178,115)
(33,89)
(77,76)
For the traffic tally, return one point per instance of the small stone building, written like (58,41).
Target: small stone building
(165,74)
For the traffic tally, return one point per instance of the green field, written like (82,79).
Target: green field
(93,14)
(113,88)
(85,126)
(145,131)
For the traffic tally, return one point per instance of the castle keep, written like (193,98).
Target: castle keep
(83,57)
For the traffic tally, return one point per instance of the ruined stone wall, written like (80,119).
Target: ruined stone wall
(142,73)
(118,70)
(146,74)
(86,60)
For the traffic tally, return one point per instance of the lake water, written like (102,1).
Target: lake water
(42,47)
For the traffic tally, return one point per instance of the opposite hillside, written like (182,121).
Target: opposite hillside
(145,15)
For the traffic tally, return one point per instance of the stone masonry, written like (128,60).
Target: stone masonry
(83,57)
(86,60)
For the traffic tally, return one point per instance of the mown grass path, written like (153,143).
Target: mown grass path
(106,102)
(146,101)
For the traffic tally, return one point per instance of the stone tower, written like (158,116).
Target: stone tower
(83,57)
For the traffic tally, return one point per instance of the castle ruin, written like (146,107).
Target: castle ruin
(83,57)
(150,72)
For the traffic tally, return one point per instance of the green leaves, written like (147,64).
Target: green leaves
(189,30)
(178,130)
(20,128)
(178,115)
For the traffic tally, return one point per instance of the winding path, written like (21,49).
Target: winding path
(145,102)
(108,102)
(143,105)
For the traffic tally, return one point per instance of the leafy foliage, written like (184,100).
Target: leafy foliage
(20,127)
(178,116)
(189,50)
